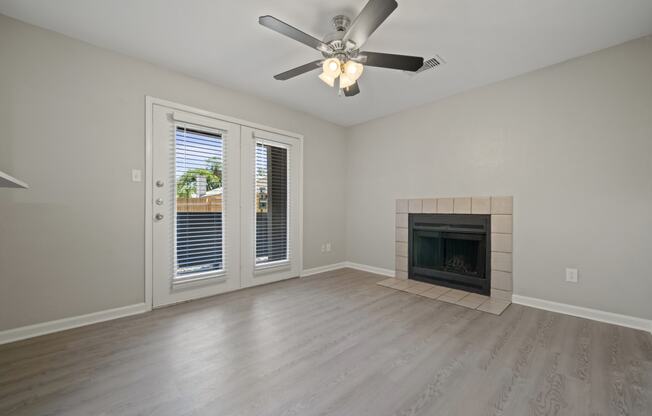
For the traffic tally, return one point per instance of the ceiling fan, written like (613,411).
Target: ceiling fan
(343,61)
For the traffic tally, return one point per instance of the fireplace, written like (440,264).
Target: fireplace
(451,250)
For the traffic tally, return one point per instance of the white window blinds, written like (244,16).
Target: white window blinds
(199,225)
(271,204)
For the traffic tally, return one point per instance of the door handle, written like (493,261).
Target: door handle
(158,216)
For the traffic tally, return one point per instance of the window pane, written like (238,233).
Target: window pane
(199,163)
(271,203)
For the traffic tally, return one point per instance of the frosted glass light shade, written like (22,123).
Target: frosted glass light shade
(346,81)
(332,67)
(353,70)
(327,79)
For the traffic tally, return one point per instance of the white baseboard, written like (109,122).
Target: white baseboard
(351,265)
(588,313)
(370,269)
(30,331)
(322,269)
(44,328)
(579,311)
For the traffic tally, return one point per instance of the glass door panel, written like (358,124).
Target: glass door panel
(271,204)
(199,236)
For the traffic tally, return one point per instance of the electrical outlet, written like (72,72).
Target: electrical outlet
(328,247)
(323,248)
(571,275)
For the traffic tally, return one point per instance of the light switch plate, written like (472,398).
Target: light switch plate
(136,175)
(571,275)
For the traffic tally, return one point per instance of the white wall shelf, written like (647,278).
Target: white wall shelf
(8,181)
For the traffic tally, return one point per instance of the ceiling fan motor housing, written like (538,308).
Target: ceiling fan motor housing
(341,50)
(341,23)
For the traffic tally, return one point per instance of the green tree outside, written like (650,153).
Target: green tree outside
(187,183)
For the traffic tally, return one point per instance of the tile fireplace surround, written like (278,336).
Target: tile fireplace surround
(501,210)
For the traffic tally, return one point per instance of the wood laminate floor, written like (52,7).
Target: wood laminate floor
(334,344)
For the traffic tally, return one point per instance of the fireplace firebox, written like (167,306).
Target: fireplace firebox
(451,250)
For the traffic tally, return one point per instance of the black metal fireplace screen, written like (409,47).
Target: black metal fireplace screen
(451,250)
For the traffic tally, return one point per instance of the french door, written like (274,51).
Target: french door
(225,205)
(270,215)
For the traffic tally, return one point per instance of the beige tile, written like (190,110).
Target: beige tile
(404,287)
(429,206)
(401,263)
(417,287)
(453,296)
(501,242)
(502,205)
(400,274)
(462,205)
(472,300)
(402,205)
(388,282)
(501,261)
(481,205)
(501,224)
(415,206)
(494,306)
(445,205)
(402,235)
(435,291)
(403,284)
(401,249)
(402,220)
(420,283)
(501,294)
(501,280)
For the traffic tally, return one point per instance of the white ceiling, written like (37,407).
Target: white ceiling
(220,41)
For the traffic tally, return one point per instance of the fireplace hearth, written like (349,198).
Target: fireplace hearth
(451,250)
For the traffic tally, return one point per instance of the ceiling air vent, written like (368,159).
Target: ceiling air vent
(429,64)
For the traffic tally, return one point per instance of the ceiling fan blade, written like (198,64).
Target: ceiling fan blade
(283,28)
(388,60)
(310,66)
(352,90)
(372,15)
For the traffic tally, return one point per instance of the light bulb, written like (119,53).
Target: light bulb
(346,81)
(332,67)
(327,79)
(353,70)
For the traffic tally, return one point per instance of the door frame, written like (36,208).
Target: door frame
(148,178)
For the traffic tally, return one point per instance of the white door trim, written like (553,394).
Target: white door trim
(149,104)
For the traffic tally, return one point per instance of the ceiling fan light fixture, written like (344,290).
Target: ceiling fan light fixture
(353,70)
(332,67)
(330,81)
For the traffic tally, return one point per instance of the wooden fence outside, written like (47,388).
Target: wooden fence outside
(212,203)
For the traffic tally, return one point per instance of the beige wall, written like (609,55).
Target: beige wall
(72,121)
(572,143)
